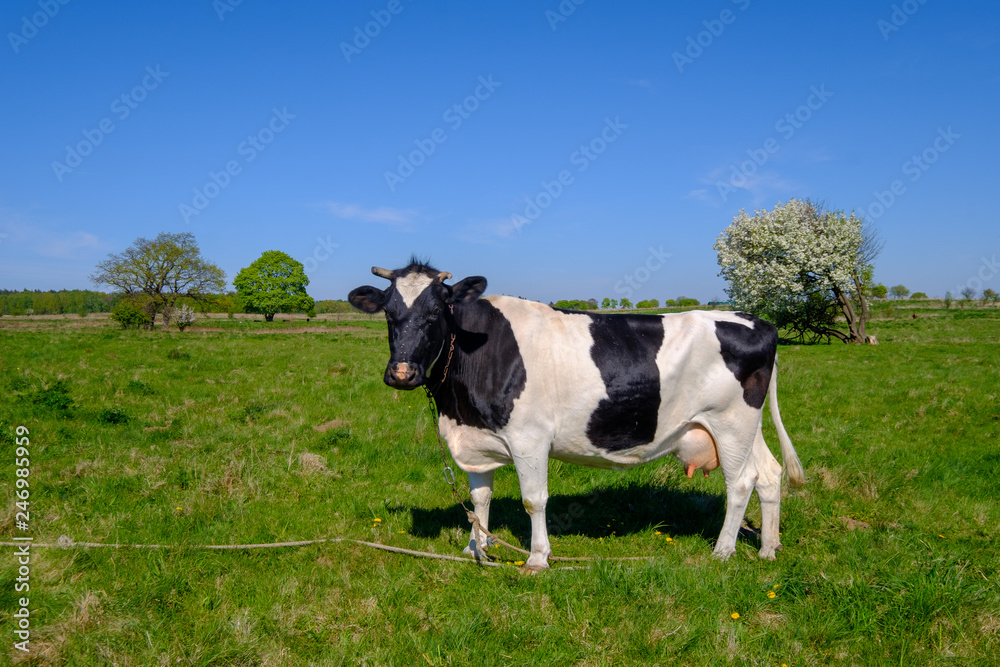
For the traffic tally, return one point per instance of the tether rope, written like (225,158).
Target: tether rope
(65,542)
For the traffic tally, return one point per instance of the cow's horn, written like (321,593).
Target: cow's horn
(443,276)
(382,273)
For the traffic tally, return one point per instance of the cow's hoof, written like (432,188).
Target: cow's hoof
(769,554)
(723,554)
(471,551)
(534,569)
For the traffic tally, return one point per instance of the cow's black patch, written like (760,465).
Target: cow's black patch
(749,354)
(486,372)
(624,350)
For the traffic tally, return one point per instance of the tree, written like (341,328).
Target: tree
(990,295)
(968,294)
(899,291)
(879,291)
(155,274)
(275,283)
(800,265)
(625,303)
(918,295)
(607,303)
(648,303)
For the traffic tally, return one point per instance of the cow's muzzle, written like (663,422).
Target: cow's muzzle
(402,375)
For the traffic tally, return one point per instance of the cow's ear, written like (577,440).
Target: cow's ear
(367,298)
(468,290)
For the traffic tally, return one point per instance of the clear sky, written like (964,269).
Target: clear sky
(554,147)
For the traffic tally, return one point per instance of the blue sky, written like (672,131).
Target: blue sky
(636,131)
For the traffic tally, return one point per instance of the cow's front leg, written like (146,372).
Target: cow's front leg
(533,477)
(481,490)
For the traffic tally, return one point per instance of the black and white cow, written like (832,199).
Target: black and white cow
(528,382)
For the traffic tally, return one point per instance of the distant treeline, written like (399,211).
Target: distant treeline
(81,302)
(84,302)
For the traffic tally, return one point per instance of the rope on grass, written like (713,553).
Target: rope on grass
(66,543)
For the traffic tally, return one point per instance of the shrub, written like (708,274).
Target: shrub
(918,295)
(648,303)
(184,317)
(129,315)
(684,301)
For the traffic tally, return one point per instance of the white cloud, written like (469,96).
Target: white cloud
(44,241)
(382,214)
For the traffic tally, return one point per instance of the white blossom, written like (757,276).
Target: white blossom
(775,259)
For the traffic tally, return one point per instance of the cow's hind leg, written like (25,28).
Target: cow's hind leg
(481,490)
(735,447)
(769,492)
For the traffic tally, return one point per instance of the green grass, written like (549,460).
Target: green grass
(198,438)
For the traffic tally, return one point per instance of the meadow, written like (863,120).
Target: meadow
(245,432)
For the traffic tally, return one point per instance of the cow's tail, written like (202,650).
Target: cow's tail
(796,475)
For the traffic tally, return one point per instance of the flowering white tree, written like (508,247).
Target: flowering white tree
(184,317)
(800,266)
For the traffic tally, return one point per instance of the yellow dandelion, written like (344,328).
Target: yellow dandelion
(941,536)
(670,539)
(735,615)
(402,532)
(775,587)
(377,520)
(519,562)
(657,533)
(771,594)
(180,508)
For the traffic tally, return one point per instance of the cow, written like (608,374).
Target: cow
(519,382)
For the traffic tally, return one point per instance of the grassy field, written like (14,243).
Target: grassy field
(210,437)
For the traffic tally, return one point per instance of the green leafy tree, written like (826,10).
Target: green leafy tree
(899,291)
(990,295)
(156,273)
(880,291)
(801,266)
(275,283)
(918,295)
(625,303)
(648,303)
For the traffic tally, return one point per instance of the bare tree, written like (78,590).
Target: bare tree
(161,271)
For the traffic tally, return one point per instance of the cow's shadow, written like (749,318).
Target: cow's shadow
(605,511)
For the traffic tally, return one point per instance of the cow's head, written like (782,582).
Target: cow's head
(418,309)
